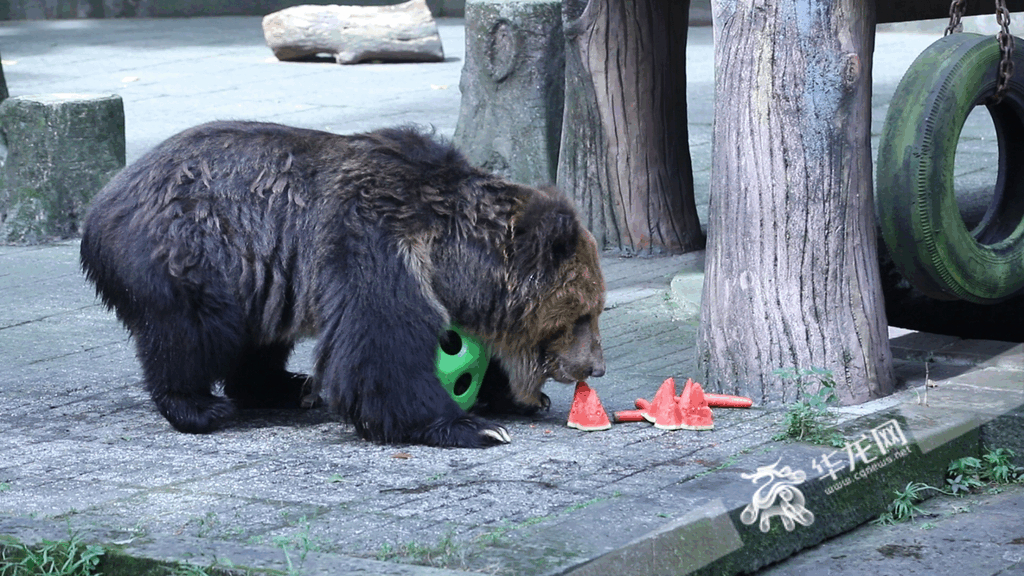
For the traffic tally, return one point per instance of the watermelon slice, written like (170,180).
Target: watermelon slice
(663,401)
(689,410)
(587,413)
(664,412)
(669,417)
(695,413)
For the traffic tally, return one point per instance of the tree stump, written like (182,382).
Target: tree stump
(625,154)
(61,149)
(512,87)
(352,34)
(791,279)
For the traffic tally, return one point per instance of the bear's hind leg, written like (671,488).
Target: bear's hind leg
(260,379)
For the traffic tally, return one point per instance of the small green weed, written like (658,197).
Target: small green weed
(495,536)
(70,557)
(995,467)
(445,553)
(998,467)
(904,507)
(189,570)
(808,419)
(963,476)
(300,541)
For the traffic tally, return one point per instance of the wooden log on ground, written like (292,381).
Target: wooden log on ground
(351,34)
(61,149)
(513,82)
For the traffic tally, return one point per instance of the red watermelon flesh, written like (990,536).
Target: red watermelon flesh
(587,413)
(696,415)
(664,398)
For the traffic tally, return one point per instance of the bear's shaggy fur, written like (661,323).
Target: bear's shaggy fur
(231,240)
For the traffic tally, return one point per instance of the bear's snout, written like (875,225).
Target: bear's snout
(583,357)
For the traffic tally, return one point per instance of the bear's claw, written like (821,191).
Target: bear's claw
(498,433)
(545,401)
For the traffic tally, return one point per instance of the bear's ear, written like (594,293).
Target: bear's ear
(545,235)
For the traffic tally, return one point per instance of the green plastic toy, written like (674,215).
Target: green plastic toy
(461,363)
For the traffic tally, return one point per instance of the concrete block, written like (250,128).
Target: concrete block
(56,152)
(513,84)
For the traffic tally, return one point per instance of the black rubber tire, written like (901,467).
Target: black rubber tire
(916,201)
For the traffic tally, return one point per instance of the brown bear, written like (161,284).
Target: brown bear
(228,242)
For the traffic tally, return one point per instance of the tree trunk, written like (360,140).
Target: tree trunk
(513,82)
(624,155)
(791,279)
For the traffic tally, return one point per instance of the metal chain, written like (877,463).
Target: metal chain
(956,13)
(1005,39)
(1005,52)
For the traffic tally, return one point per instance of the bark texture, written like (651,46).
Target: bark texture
(792,277)
(513,82)
(624,155)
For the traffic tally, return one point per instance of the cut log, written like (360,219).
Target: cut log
(791,275)
(351,34)
(61,149)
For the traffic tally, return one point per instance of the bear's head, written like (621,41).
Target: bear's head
(557,292)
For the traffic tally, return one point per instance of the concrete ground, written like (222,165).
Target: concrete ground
(82,448)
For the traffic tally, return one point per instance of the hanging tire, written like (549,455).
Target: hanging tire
(916,201)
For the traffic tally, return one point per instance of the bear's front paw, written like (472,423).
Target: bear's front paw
(195,414)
